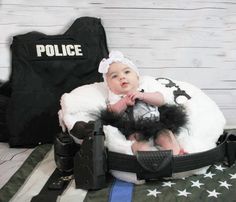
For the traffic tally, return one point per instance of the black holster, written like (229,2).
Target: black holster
(90,163)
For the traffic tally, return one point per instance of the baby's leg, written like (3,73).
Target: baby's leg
(134,137)
(167,141)
(139,145)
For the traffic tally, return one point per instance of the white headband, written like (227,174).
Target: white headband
(115,56)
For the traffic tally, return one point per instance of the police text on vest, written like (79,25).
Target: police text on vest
(58,50)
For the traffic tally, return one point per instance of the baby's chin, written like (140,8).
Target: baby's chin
(129,89)
(125,90)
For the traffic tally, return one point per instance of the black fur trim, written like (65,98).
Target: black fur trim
(172,117)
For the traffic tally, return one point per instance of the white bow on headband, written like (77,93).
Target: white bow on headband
(114,56)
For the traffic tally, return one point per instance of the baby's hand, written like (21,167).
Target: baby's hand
(129,101)
(135,95)
(121,105)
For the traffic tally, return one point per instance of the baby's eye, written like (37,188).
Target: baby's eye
(113,76)
(127,71)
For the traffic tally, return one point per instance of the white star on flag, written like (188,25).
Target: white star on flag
(233,176)
(224,184)
(219,167)
(153,192)
(196,184)
(213,193)
(168,184)
(183,193)
(210,175)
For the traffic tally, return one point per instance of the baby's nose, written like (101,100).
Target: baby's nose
(122,77)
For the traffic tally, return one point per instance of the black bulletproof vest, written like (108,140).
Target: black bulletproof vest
(43,68)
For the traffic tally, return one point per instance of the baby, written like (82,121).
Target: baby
(125,97)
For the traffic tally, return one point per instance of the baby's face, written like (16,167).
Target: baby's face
(121,79)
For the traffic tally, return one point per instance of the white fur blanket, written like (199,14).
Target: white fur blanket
(205,125)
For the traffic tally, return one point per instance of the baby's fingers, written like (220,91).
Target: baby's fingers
(134,97)
(130,102)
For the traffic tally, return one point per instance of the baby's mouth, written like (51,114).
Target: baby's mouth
(123,84)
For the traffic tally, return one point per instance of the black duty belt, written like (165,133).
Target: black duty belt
(92,162)
(157,164)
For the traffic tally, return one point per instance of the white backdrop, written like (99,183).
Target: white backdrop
(193,41)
